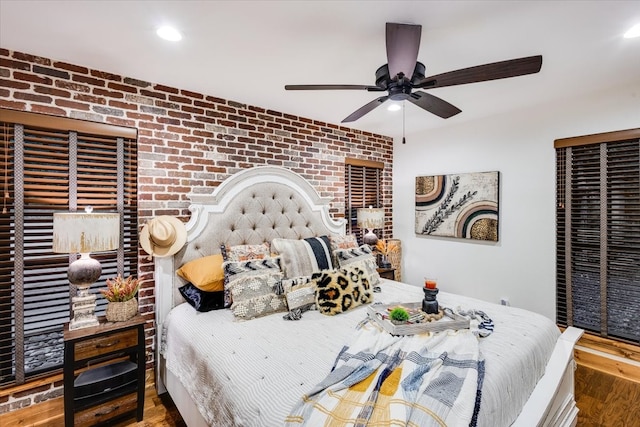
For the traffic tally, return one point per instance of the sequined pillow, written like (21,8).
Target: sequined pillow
(299,292)
(361,257)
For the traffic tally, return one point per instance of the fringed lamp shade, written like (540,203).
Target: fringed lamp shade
(85,232)
(370,219)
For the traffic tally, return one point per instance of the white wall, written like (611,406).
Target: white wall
(521,265)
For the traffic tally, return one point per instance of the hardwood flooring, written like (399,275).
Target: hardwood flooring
(158,412)
(604,401)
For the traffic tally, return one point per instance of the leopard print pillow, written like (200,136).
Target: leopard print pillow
(341,289)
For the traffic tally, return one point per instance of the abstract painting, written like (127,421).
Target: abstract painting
(462,205)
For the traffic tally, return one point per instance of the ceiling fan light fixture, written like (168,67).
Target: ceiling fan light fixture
(394,106)
(403,73)
(169,33)
(633,32)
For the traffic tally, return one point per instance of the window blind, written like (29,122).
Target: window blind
(598,234)
(362,187)
(53,169)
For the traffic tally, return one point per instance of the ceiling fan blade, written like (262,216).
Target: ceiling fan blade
(482,73)
(365,109)
(403,42)
(433,104)
(334,87)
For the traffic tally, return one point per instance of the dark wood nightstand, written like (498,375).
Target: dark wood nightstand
(387,273)
(104,372)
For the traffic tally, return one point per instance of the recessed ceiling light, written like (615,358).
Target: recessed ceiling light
(394,106)
(169,33)
(633,32)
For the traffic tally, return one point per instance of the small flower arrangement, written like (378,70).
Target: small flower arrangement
(385,248)
(120,290)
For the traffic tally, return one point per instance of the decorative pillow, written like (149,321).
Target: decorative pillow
(254,296)
(341,289)
(205,273)
(343,242)
(236,269)
(300,294)
(289,284)
(201,300)
(245,252)
(361,257)
(303,257)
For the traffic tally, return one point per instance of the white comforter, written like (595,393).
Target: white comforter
(251,373)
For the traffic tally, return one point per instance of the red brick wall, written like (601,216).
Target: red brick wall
(189,142)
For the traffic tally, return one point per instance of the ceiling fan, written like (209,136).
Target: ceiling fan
(403,73)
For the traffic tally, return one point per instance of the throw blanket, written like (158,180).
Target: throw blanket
(385,380)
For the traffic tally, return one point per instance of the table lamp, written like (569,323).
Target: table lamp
(370,219)
(82,233)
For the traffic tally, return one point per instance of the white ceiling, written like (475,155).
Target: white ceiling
(246,51)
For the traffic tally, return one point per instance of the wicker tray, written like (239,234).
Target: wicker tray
(450,320)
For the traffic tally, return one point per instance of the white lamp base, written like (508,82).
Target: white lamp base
(84,307)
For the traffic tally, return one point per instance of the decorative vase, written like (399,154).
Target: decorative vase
(384,262)
(120,311)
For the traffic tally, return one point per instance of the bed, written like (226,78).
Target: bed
(220,371)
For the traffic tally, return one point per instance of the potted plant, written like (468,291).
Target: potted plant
(121,294)
(399,316)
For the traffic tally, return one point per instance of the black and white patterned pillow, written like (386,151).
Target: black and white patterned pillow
(303,257)
(254,295)
(361,257)
(234,270)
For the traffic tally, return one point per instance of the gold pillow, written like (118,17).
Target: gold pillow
(204,273)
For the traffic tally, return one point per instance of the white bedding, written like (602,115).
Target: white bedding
(250,373)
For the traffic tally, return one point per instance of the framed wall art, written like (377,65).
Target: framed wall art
(462,205)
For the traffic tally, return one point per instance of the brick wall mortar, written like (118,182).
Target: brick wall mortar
(189,142)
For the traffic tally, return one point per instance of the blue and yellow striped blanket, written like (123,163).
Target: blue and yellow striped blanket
(385,380)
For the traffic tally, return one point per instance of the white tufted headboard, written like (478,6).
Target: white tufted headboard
(251,207)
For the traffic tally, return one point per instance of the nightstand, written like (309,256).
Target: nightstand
(104,372)
(387,273)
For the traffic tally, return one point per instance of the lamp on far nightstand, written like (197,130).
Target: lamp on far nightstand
(370,219)
(85,232)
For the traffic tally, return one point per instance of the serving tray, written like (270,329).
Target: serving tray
(450,320)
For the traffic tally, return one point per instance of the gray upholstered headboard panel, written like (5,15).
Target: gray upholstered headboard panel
(259,214)
(250,207)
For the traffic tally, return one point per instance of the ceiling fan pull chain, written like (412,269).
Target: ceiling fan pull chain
(404,141)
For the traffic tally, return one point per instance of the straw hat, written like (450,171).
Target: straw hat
(163,236)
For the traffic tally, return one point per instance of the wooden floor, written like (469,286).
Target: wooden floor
(604,401)
(158,411)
